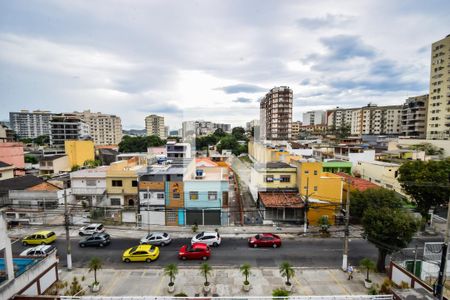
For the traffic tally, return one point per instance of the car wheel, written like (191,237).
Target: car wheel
(82,245)
(255,245)
(215,244)
(25,243)
(162,244)
(101,245)
(149,260)
(127,260)
(183,257)
(43,243)
(204,257)
(274,245)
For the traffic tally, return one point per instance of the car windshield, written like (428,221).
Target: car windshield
(165,235)
(100,227)
(200,235)
(133,249)
(257,236)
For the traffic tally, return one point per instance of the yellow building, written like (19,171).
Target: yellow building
(323,189)
(263,153)
(122,183)
(79,151)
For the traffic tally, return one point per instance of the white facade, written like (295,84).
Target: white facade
(89,184)
(30,124)
(381,173)
(315,117)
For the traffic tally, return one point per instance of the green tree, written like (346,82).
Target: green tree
(239,133)
(343,131)
(245,270)
(372,198)
(426,182)
(429,149)
(287,271)
(31,159)
(75,288)
(219,132)
(95,264)
(42,140)
(369,265)
(92,163)
(205,270)
(171,270)
(280,293)
(139,143)
(26,140)
(230,143)
(389,230)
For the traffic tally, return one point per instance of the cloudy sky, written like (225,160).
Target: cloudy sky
(213,60)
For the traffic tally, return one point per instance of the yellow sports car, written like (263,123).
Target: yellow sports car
(146,253)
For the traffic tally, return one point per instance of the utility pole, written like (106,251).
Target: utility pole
(439,290)
(305,222)
(148,211)
(347,229)
(66,223)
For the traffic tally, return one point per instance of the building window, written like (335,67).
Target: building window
(117,183)
(193,195)
(171,216)
(212,195)
(306,172)
(145,195)
(91,182)
(315,188)
(315,172)
(134,183)
(285,178)
(176,196)
(115,201)
(268,178)
(160,196)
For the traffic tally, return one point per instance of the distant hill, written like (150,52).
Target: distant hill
(135,132)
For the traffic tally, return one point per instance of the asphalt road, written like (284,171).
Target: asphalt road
(232,252)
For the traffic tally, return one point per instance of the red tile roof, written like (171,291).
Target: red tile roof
(280,199)
(358,183)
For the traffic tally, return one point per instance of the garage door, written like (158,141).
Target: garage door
(194,216)
(212,217)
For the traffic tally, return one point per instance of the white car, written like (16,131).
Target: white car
(208,238)
(91,229)
(157,239)
(41,250)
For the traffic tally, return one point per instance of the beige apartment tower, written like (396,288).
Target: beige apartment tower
(104,129)
(276,114)
(438,119)
(155,126)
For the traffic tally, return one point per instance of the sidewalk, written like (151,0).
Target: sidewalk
(186,231)
(224,282)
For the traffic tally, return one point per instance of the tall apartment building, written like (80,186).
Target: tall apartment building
(155,126)
(202,128)
(276,114)
(251,124)
(414,117)
(438,120)
(28,124)
(66,126)
(370,119)
(104,129)
(315,117)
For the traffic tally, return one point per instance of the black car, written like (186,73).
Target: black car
(97,239)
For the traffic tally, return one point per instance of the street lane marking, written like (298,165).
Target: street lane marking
(113,284)
(347,292)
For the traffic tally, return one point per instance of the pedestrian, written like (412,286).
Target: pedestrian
(350,272)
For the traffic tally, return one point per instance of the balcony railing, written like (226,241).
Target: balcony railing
(88,191)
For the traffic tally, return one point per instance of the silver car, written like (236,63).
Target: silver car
(157,239)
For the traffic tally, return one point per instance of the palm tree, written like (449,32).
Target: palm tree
(369,265)
(205,270)
(245,270)
(287,271)
(171,270)
(94,265)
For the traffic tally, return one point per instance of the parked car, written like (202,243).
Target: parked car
(195,251)
(265,240)
(42,250)
(44,237)
(208,238)
(147,253)
(91,229)
(97,239)
(156,238)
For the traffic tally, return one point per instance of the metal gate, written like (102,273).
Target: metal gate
(203,217)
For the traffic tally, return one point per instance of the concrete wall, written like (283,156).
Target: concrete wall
(12,153)
(384,175)
(444,144)
(6,173)
(79,151)
(367,155)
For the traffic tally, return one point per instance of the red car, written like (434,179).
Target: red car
(195,251)
(265,240)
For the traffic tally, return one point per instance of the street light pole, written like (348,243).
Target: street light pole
(66,223)
(148,211)
(439,291)
(305,222)
(347,230)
